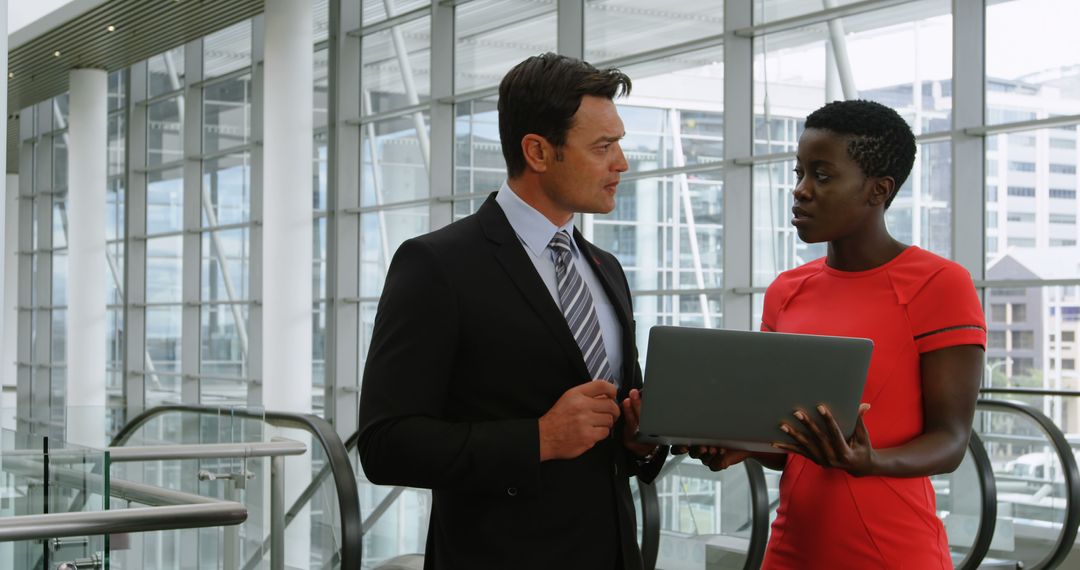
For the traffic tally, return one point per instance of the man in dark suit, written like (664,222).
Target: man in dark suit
(502,372)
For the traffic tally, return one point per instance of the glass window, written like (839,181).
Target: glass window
(770,10)
(322,88)
(164,200)
(617,28)
(995,339)
(395,160)
(224,350)
(163,340)
(164,269)
(320,169)
(1068,336)
(478,160)
(667,232)
(164,136)
(391,79)
(376,10)
(997,313)
(900,57)
(117,131)
(320,17)
(226,257)
(381,233)
(1019,312)
(227,50)
(1023,339)
(165,72)
(1027,55)
(227,113)
(227,190)
(491,36)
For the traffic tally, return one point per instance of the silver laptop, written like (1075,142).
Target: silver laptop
(732,388)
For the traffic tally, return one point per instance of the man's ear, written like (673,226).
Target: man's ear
(537,152)
(883,187)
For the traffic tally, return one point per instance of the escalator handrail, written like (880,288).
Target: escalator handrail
(650,523)
(1072,476)
(337,461)
(988,512)
(759,497)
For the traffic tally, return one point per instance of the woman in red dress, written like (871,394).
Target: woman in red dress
(866,501)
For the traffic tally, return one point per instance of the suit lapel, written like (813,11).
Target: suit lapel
(511,255)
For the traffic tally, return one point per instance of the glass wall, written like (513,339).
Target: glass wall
(701,224)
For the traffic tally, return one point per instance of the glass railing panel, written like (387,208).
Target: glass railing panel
(396,522)
(706,517)
(43,476)
(22,490)
(1030,486)
(245,480)
(959,498)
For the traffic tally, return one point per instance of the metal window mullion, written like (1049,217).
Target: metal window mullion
(968,151)
(738,178)
(441,172)
(570,41)
(191,289)
(41,398)
(136,359)
(343,231)
(570,28)
(255,265)
(23,348)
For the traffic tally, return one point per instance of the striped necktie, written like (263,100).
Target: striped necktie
(577,307)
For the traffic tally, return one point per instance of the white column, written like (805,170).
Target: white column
(87,266)
(287,230)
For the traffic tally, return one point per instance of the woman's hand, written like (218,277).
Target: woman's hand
(826,445)
(715,458)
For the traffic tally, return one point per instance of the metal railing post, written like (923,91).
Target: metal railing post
(277,513)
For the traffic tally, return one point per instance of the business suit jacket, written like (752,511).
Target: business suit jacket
(468,350)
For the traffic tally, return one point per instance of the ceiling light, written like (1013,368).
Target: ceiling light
(111,28)
(56,53)
(11,74)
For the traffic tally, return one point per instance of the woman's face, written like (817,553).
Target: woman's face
(833,197)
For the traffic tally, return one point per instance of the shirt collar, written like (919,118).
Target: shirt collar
(532,228)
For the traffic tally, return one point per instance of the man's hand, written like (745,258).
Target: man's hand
(631,408)
(583,416)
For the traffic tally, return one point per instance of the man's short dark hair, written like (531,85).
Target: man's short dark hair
(540,96)
(879,139)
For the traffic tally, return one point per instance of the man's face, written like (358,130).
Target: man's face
(584,180)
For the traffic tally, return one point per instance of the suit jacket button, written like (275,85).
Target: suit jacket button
(512,491)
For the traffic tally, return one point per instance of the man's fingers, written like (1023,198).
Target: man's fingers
(605,406)
(598,388)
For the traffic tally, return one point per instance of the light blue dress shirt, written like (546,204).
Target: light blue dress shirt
(535,232)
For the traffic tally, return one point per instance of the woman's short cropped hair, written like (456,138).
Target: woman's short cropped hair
(879,139)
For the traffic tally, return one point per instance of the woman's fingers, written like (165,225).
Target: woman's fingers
(836,435)
(809,447)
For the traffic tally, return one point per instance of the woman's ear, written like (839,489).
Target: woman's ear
(536,150)
(883,187)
